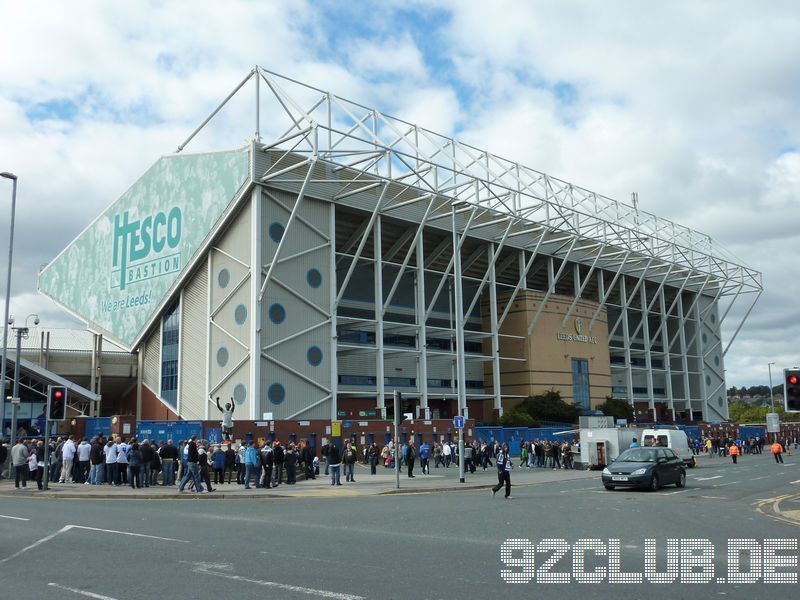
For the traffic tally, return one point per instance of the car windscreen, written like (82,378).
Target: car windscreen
(637,455)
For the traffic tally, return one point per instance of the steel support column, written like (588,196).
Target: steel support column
(422,335)
(498,401)
(378,275)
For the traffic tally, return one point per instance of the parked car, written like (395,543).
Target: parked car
(645,467)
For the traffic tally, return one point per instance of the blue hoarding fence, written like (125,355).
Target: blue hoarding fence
(98,425)
(169,430)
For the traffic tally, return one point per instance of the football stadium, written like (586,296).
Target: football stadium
(309,274)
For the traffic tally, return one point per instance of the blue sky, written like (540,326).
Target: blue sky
(692,105)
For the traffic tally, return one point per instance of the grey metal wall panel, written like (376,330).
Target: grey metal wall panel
(231,314)
(152,360)
(296,331)
(194,352)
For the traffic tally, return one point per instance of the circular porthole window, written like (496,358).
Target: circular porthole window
(314,356)
(713,318)
(716,361)
(277,313)
(223,278)
(240,314)
(708,380)
(314,278)
(720,401)
(276,393)
(705,338)
(222,356)
(276,230)
(239,393)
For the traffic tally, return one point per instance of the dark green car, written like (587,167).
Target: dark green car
(648,468)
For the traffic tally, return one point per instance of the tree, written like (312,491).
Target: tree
(517,418)
(548,407)
(614,407)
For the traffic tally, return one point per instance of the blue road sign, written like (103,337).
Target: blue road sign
(458,422)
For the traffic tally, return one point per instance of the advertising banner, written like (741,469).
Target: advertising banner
(116,273)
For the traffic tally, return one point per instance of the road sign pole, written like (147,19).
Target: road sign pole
(397,454)
(461,460)
(47,442)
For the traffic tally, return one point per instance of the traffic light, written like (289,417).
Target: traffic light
(398,407)
(57,402)
(791,390)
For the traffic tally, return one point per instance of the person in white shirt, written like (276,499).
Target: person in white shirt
(68,456)
(122,461)
(447,452)
(110,452)
(84,448)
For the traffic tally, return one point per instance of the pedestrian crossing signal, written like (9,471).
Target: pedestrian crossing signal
(57,403)
(791,390)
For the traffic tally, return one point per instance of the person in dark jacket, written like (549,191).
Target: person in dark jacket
(135,465)
(204,465)
(411,458)
(307,456)
(147,460)
(155,463)
(335,463)
(192,467)
(230,462)
(290,460)
(350,457)
(504,465)
(267,462)
(97,460)
(218,463)
(278,455)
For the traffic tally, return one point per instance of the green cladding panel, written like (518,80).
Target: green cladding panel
(116,273)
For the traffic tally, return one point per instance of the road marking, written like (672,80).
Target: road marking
(152,537)
(283,586)
(81,592)
(764,477)
(68,527)
(713,497)
(21,519)
(724,484)
(708,478)
(47,538)
(798,481)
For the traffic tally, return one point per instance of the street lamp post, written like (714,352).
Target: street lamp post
(13,179)
(22,332)
(771,395)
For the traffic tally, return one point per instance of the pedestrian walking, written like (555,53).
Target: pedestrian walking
(733,451)
(777,450)
(504,466)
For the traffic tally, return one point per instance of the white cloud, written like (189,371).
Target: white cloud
(694,106)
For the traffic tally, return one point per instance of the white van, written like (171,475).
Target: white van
(671,438)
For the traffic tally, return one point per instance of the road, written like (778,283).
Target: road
(422,545)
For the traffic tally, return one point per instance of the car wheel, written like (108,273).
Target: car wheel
(681,480)
(654,483)
(609,487)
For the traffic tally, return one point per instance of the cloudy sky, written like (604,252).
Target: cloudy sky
(695,106)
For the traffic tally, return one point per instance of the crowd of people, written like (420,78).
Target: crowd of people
(721,446)
(200,466)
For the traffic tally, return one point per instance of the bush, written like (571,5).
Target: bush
(614,407)
(548,407)
(516,418)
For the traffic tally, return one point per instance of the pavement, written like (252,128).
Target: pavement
(384,482)
(428,544)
